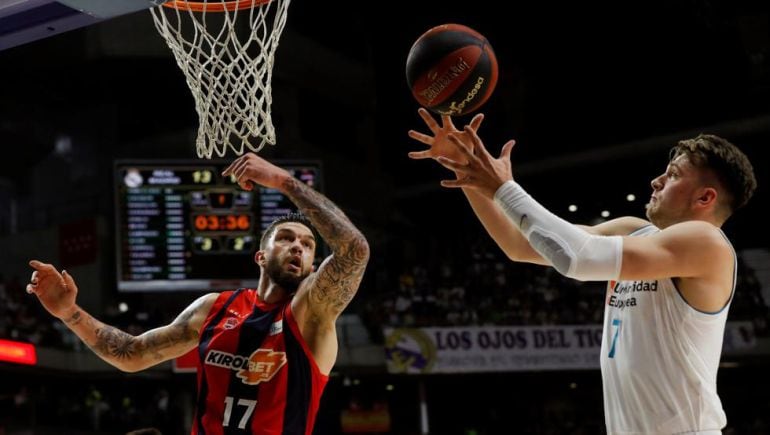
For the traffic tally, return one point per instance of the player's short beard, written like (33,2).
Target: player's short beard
(285,280)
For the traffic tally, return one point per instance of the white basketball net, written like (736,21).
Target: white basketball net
(229,67)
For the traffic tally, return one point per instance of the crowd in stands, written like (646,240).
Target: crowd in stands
(97,406)
(22,318)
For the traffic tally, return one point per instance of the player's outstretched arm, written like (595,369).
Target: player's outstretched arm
(335,283)
(686,250)
(57,293)
(503,232)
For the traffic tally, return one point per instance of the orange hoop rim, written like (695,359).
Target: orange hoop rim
(212,6)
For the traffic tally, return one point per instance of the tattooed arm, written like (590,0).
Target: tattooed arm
(335,283)
(57,292)
(134,353)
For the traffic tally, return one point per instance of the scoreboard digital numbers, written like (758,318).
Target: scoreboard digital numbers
(181,225)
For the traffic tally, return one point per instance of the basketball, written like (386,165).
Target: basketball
(451,70)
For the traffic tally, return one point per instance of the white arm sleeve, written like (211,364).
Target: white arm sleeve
(572,251)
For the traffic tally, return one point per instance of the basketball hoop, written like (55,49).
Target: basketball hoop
(228,65)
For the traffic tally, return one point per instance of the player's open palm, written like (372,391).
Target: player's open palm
(56,291)
(439,144)
(251,168)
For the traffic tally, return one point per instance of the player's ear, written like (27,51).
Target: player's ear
(260,258)
(708,196)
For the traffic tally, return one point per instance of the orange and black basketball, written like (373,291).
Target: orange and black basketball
(451,69)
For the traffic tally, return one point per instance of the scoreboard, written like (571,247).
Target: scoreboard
(181,225)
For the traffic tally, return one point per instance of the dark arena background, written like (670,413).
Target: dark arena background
(446,335)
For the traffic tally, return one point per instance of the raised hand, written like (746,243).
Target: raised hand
(56,291)
(477,169)
(439,144)
(249,169)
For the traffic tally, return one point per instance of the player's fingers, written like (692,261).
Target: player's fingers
(446,121)
(476,121)
(428,118)
(474,137)
(36,264)
(505,153)
(478,145)
(240,168)
(451,164)
(229,172)
(462,182)
(463,147)
(31,288)
(419,155)
(421,137)
(242,176)
(68,281)
(232,165)
(237,174)
(41,267)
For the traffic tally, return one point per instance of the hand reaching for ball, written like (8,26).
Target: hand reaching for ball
(439,144)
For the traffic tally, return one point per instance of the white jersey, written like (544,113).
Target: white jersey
(659,359)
